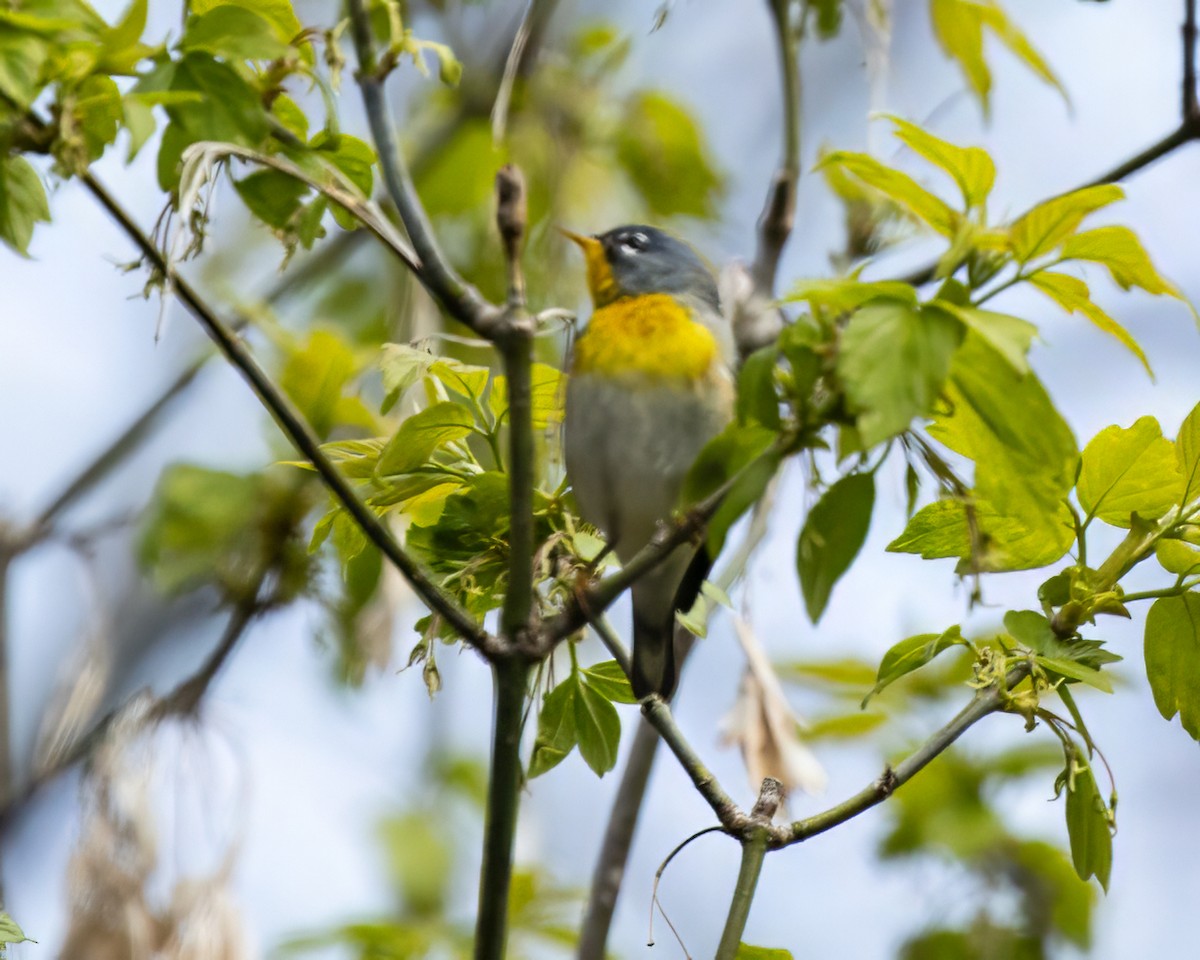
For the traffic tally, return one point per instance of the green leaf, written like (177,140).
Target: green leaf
(943,529)
(1173,658)
(609,680)
(959,26)
(1022,475)
(272,196)
(1119,250)
(599,728)
(899,187)
(747,952)
(22,202)
(1010,337)
(233,33)
(971,167)
(756,397)
(1187,451)
(11,932)
(848,294)
(421,861)
(1088,826)
(314,376)
(893,362)
(1177,557)
(138,118)
(353,157)
(912,654)
(127,31)
(1127,471)
(22,57)
(1077,671)
(1073,295)
(745,449)
(557,732)
(401,366)
(422,434)
(278,13)
(834,531)
(661,148)
(1050,223)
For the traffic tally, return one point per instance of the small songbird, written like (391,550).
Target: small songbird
(650,384)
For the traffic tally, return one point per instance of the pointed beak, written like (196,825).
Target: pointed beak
(590,246)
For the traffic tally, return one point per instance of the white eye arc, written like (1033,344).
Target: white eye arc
(634,242)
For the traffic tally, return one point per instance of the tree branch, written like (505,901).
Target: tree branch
(754,851)
(987,701)
(779,211)
(458,297)
(510,677)
(292,423)
(526,40)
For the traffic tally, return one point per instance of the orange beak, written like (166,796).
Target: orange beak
(599,274)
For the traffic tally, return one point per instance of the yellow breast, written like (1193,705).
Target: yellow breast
(653,335)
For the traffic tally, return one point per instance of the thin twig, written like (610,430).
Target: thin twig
(779,211)
(609,872)
(1191,109)
(459,298)
(292,423)
(525,41)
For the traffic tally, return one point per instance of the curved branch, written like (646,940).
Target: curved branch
(458,297)
(987,701)
(293,425)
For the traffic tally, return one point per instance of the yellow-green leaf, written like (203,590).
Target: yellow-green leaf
(1127,471)
(971,167)
(422,434)
(1187,450)
(1043,228)
(1009,336)
(1173,658)
(847,294)
(959,26)
(899,187)
(1120,251)
(1073,295)
(22,202)
(1177,557)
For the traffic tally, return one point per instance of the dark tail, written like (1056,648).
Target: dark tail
(653,658)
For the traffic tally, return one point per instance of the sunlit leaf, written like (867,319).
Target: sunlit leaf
(609,679)
(1127,471)
(423,433)
(899,187)
(233,33)
(1187,451)
(1050,223)
(1073,295)
(893,361)
(1119,250)
(971,167)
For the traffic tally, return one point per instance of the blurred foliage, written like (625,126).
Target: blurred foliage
(426,863)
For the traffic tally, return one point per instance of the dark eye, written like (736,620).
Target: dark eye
(634,242)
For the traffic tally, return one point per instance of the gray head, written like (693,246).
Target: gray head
(645,260)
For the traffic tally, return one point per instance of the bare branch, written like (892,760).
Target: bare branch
(527,39)
(987,701)
(458,297)
(292,423)
(754,851)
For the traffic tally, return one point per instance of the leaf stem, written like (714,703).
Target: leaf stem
(510,676)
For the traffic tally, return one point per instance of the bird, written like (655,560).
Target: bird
(649,384)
